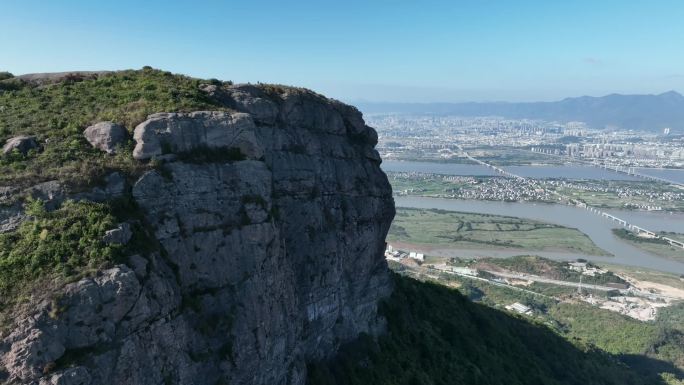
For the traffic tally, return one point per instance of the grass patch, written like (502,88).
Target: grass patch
(64,243)
(57,113)
(448,229)
(655,246)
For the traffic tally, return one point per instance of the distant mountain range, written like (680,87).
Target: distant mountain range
(637,112)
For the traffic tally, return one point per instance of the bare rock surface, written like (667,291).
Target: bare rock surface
(22,143)
(114,186)
(265,261)
(106,136)
(118,236)
(181,132)
(51,193)
(246,98)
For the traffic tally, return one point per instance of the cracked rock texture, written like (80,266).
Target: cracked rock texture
(106,136)
(265,262)
(21,143)
(178,132)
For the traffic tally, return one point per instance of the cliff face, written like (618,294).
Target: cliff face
(271,219)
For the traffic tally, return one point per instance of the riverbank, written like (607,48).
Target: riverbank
(439,229)
(656,246)
(597,228)
(643,196)
(567,171)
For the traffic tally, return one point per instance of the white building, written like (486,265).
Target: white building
(520,308)
(464,270)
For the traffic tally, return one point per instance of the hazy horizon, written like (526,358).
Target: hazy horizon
(389,101)
(436,51)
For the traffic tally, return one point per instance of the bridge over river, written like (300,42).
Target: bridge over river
(639,230)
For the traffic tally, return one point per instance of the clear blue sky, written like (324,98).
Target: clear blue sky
(365,50)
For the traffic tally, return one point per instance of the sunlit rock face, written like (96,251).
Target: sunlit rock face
(271,252)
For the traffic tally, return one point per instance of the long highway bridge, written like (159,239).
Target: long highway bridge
(630,171)
(618,169)
(640,231)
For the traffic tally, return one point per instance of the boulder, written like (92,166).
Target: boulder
(52,193)
(11,212)
(11,217)
(184,132)
(118,236)
(245,98)
(20,143)
(106,136)
(114,187)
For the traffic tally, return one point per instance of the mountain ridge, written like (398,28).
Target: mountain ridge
(161,229)
(641,112)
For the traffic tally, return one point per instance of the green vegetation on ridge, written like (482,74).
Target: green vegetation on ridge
(66,242)
(58,112)
(64,245)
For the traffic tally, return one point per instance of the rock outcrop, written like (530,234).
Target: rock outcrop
(118,236)
(178,132)
(270,254)
(21,143)
(51,193)
(106,136)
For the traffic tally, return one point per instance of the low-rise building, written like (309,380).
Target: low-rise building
(464,270)
(520,308)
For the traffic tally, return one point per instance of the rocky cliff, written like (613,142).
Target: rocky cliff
(269,218)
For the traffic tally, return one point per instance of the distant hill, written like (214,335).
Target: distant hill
(637,112)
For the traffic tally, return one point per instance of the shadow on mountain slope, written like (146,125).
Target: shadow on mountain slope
(437,336)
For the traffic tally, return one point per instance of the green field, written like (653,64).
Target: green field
(646,193)
(653,245)
(513,156)
(457,230)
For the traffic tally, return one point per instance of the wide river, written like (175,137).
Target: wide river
(566,171)
(596,227)
(674,175)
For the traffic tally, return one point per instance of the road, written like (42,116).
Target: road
(536,278)
(443,269)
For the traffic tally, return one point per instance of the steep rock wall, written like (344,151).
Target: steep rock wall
(269,257)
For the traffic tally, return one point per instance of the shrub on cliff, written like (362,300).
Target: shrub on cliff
(63,243)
